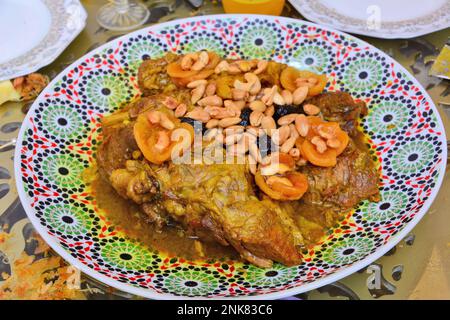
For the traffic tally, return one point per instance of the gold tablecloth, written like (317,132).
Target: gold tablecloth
(417,268)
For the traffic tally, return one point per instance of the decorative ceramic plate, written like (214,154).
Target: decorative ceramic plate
(379,18)
(35,32)
(61,132)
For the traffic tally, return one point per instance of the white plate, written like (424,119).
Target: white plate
(33,33)
(389,19)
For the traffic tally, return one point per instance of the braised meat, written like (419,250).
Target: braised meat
(152,75)
(112,154)
(353,178)
(339,106)
(216,198)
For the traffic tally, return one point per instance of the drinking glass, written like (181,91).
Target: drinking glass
(122,15)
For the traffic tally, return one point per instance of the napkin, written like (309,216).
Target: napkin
(441,66)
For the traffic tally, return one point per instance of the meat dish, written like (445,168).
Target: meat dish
(249,155)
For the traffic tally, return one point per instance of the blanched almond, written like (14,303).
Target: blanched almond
(188,60)
(227,122)
(197,93)
(261,67)
(239,94)
(199,114)
(257,132)
(222,113)
(302,125)
(170,103)
(278,99)
(311,109)
(320,144)
(269,93)
(273,168)
(326,132)
(196,83)
(270,111)
(211,101)
(234,105)
(234,110)
(268,123)
(287,119)
(221,67)
(211,89)
(180,110)
(213,111)
(233,138)
(294,132)
(287,96)
(270,169)
(254,151)
(212,123)
(210,134)
(166,123)
(288,145)
(202,61)
(240,104)
(234,129)
(333,143)
(299,95)
(163,140)
(256,118)
(257,105)
(281,134)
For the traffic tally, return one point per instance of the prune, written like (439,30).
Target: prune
(264,143)
(281,111)
(197,125)
(245,117)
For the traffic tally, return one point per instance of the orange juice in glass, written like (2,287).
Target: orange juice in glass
(271,7)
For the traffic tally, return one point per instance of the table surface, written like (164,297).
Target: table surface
(417,268)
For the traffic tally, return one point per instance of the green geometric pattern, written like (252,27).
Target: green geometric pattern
(191,283)
(126,255)
(413,157)
(68,219)
(63,170)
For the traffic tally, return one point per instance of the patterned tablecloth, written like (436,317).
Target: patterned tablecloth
(417,268)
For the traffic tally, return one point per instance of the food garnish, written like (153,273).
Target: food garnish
(220,92)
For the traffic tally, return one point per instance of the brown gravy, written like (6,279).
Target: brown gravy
(172,240)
